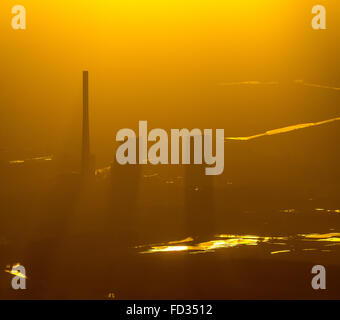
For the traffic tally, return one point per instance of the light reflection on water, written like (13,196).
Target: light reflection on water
(330,211)
(329,237)
(42,158)
(15,272)
(225,241)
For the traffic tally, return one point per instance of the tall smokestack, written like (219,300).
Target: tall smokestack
(86,130)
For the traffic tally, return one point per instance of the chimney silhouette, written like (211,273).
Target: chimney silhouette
(86,130)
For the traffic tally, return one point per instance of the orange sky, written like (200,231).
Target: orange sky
(161,61)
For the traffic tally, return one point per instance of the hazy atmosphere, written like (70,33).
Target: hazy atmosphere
(255,68)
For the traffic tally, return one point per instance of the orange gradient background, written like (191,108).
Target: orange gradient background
(161,61)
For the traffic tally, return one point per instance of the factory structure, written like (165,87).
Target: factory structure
(87,159)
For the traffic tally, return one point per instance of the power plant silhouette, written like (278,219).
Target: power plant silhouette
(59,214)
(87,160)
(126,183)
